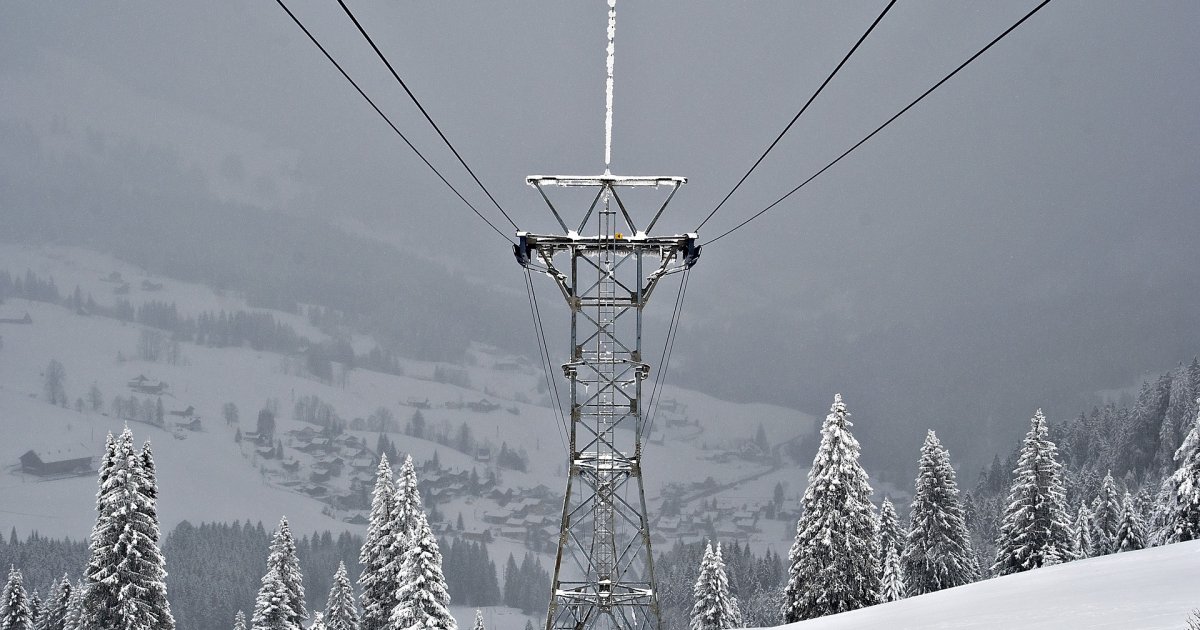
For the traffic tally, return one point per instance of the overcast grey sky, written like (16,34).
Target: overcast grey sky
(1025,221)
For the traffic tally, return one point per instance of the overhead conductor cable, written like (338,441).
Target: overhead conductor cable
(885,124)
(389,122)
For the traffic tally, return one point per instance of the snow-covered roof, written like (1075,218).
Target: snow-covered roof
(63,452)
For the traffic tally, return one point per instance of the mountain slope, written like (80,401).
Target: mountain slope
(206,476)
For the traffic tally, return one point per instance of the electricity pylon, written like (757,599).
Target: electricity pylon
(610,266)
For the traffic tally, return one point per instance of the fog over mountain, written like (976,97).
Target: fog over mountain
(1023,238)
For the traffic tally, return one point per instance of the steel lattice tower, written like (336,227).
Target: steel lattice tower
(606,269)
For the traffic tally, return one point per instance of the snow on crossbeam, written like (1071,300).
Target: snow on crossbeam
(605,179)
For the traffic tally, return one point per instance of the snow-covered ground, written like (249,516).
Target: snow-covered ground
(1143,590)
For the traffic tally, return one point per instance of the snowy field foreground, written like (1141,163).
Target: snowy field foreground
(1150,589)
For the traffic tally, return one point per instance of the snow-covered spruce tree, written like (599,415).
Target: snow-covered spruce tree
(154,564)
(273,608)
(890,534)
(478,621)
(57,605)
(407,512)
(1181,409)
(126,574)
(378,586)
(35,607)
(422,600)
(1181,491)
(833,563)
(1106,517)
(1131,534)
(408,501)
(713,607)
(318,622)
(97,595)
(891,586)
(239,621)
(283,560)
(14,604)
(340,611)
(1083,532)
(1035,530)
(74,620)
(735,608)
(938,553)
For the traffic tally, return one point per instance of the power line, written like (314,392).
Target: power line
(412,96)
(885,124)
(668,350)
(360,91)
(798,114)
(544,354)
(663,358)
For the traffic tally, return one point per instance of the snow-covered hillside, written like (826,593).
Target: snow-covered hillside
(1141,590)
(207,476)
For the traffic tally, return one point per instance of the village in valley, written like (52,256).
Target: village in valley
(480,433)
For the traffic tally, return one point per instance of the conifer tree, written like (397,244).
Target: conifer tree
(890,534)
(478,621)
(1181,410)
(239,621)
(14,604)
(340,611)
(273,608)
(126,574)
(891,586)
(833,563)
(102,596)
(422,598)
(378,586)
(1083,532)
(57,606)
(1106,517)
(938,553)
(318,622)
(283,560)
(1181,491)
(1131,534)
(408,502)
(35,607)
(407,514)
(713,607)
(153,566)
(74,620)
(1035,531)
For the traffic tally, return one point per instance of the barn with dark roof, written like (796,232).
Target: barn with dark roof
(57,460)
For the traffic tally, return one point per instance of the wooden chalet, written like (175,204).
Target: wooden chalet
(363,463)
(482,406)
(319,476)
(191,425)
(190,412)
(143,385)
(58,460)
